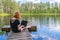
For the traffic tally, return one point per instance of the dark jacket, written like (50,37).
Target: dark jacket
(14,25)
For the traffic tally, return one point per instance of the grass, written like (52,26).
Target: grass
(40,13)
(4,14)
(32,14)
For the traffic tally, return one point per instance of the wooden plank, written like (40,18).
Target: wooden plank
(24,35)
(7,29)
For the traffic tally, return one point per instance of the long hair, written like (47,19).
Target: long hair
(17,15)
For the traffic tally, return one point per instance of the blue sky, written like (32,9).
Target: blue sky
(37,1)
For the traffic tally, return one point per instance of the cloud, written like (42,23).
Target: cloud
(34,1)
(38,1)
(30,0)
(57,0)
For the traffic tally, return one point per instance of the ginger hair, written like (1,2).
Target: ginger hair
(17,15)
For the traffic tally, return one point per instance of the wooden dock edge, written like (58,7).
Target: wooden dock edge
(32,29)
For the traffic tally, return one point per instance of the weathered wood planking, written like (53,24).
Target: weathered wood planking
(7,28)
(24,35)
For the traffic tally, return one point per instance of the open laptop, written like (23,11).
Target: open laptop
(24,22)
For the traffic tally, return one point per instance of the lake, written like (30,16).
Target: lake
(48,28)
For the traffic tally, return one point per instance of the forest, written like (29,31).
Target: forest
(11,6)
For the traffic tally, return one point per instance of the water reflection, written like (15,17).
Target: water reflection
(3,37)
(47,28)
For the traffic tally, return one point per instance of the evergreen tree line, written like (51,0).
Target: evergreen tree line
(47,7)
(11,6)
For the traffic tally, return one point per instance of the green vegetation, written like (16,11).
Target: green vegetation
(40,14)
(38,8)
(7,8)
(11,6)
(4,14)
(1,25)
(2,32)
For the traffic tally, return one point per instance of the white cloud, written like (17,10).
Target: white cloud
(57,0)
(18,0)
(38,1)
(34,1)
(30,0)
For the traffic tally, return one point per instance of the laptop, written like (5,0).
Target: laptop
(24,22)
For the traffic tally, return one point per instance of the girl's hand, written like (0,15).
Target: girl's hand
(19,27)
(22,26)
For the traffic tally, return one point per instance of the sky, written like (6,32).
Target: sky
(38,1)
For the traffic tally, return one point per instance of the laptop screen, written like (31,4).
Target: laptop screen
(24,22)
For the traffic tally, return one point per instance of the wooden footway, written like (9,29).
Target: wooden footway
(24,35)
(31,29)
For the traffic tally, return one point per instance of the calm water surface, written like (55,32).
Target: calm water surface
(48,28)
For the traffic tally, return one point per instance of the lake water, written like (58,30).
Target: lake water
(48,28)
